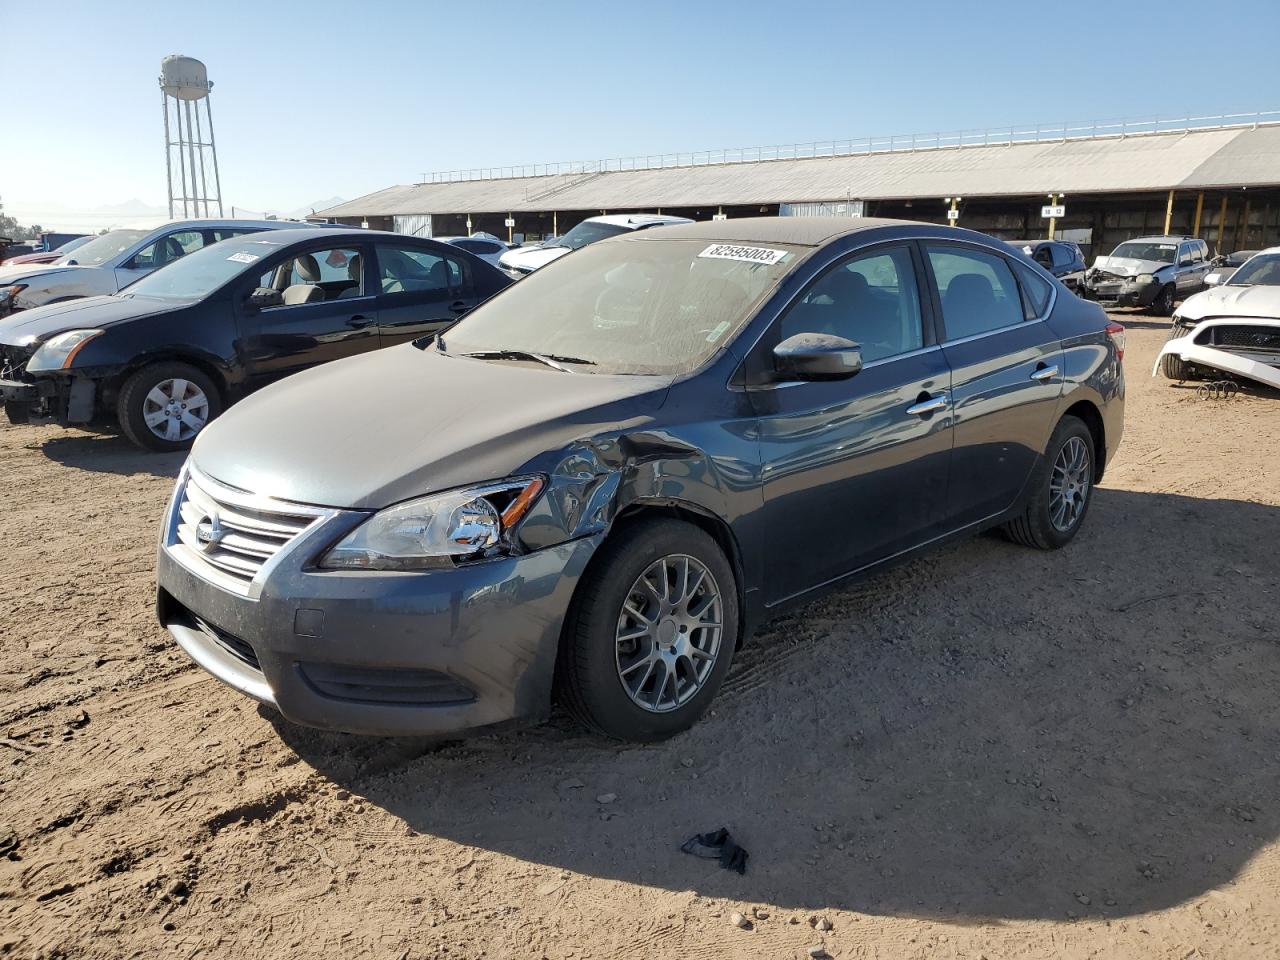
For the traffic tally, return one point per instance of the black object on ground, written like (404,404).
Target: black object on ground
(717,845)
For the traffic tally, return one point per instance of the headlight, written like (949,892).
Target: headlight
(1143,279)
(57,353)
(10,293)
(438,530)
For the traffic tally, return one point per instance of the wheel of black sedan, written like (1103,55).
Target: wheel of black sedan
(164,405)
(1061,490)
(652,630)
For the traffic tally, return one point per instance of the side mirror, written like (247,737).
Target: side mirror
(1213,279)
(817,356)
(261,299)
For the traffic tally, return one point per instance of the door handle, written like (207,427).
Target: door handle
(359,322)
(1045,373)
(929,404)
(459,306)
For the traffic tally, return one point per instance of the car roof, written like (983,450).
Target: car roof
(208,222)
(1161,239)
(636,219)
(304,232)
(800,231)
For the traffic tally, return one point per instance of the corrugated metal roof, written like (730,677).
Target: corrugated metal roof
(1248,157)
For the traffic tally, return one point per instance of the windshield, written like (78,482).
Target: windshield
(588,232)
(1263,271)
(632,307)
(101,249)
(198,274)
(75,244)
(1146,250)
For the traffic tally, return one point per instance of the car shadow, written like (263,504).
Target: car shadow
(987,732)
(109,453)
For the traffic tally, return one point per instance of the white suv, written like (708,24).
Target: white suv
(528,259)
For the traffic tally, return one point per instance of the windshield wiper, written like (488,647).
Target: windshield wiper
(550,359)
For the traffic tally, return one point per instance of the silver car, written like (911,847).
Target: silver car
(1153,272)
(108,263)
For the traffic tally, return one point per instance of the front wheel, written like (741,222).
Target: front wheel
(651,633)
(1163,303)
(1061,490)
(164,405)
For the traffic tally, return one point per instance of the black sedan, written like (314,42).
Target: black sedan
(603,478)
(171,351)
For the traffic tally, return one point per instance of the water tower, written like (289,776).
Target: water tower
(184,87)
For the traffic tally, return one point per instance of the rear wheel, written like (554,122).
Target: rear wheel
(1061,490)
(652,632)
(164,405)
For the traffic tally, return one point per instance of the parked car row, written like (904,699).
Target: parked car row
(517,263)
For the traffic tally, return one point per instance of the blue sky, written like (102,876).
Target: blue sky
(320,99)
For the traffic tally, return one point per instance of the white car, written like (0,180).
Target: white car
(1232,329)
(528,259)
(108,263)
(484,245)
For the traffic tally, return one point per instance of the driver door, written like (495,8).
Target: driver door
(855,471)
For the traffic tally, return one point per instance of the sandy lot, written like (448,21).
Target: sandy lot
(991,752)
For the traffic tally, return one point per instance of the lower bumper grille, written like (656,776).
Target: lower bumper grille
(376,685)
(240,649)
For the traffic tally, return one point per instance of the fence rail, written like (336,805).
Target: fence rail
(902,143)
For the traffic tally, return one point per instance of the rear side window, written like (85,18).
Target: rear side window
(1036,291)
(976,289)
(408,270)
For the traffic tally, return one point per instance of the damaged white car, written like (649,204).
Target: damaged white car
(1232,329)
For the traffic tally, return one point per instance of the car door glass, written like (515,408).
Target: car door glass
(1044,257)
(406,270)
(976,289)
(871,299)
(316,276)
(1036,291)
(227,234)
(166,249)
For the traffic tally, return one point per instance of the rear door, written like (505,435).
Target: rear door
(420,290)
(854,470)
(318,309)
(1006,373)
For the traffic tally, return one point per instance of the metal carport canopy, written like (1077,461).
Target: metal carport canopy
(1151,162)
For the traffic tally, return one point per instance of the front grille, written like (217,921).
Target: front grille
(229,642)
(1246,337)
(1104,276)
(234,533)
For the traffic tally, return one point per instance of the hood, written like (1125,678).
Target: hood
(1128,266)
(18,273)
(385,426)
(1228,301)
(531,258)
(85,314)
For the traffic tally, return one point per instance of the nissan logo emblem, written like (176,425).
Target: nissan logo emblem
(209,531)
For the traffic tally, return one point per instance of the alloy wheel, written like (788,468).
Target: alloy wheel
(1069,484)
(175,410)
(669,633)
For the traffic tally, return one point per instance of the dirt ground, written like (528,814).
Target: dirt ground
(991,752)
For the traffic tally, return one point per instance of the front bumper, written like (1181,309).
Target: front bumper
(1123,293)
(424,653)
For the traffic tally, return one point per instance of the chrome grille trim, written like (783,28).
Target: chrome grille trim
(256,531)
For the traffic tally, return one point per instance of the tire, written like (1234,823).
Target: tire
(1175,368)
(1163,304)
(192,397)
(603,641)
(1038,525)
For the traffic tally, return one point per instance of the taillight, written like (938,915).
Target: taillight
(1116,332)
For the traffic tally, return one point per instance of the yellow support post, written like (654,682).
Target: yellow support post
(1053,221)
(1242,241)
(1195,231)
(510,235)
(555,223)
(1222,223)
(1168,215)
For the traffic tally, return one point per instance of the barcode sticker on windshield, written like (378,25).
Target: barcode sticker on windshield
(243,257)
(731,251)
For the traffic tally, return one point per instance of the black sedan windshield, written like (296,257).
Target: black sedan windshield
(637,306)
(198,274)
(587,232)
(1260,271)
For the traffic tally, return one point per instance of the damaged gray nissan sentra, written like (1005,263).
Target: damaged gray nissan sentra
(598,482)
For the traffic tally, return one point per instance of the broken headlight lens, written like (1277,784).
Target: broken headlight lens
(57,353)
(438,530)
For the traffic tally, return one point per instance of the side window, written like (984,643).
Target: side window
(406,270)
(226,234)
(1184,254)
(1044,256)
(1063,255)
(977,291)
(316,277)
(871,299)
(167,249)
(1036,291)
